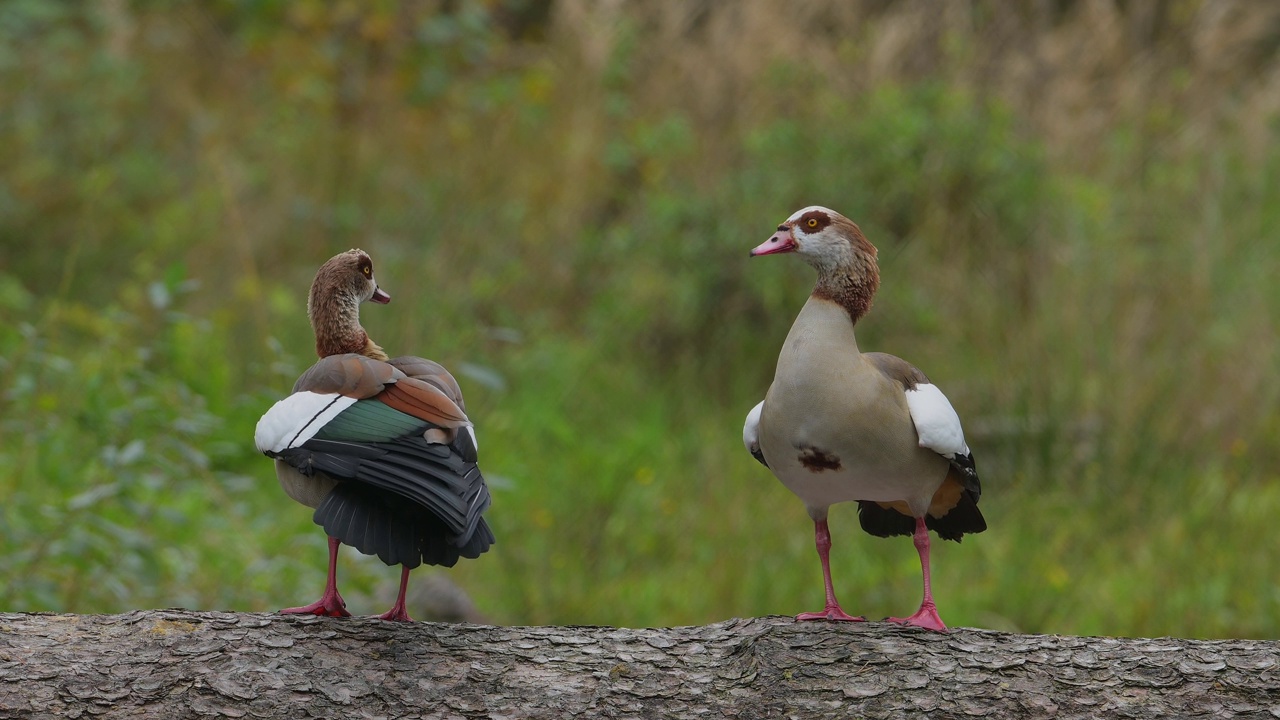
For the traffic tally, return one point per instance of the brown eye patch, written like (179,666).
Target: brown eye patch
(814,221)
(367,269)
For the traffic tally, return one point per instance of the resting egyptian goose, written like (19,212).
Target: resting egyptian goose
(380,447)
(838,424)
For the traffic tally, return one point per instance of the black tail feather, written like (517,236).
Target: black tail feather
(965,517)
(377,523)
(407,501)
(883,521)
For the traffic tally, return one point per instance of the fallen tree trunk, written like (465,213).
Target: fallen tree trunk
(168,664)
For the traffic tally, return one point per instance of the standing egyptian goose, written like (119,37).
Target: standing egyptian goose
(838,424)
(380,447)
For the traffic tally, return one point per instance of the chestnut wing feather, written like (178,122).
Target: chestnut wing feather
(424,400)
(432,372)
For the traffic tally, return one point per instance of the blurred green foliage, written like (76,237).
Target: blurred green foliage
(569,235)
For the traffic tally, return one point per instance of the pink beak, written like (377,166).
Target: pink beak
(380,297)
(780,242)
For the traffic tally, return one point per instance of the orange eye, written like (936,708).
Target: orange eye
(813,223)
(368,271)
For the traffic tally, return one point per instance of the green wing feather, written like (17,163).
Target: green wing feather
(369,421)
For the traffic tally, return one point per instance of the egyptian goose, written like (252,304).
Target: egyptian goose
(380,447)
(838,424)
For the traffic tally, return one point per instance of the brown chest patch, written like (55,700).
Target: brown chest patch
(817,459)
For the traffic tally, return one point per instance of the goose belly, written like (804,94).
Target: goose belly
(829,448)
(913,482)
(310,491)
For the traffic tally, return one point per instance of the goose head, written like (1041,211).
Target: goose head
(333,305)
(833,245)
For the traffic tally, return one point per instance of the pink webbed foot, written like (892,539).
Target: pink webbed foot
(822,539)
(329,605)
(833,612)
(926,617)
(397,613)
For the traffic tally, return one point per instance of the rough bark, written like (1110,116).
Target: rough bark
(178,664)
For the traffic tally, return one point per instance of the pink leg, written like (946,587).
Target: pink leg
(927,615)
(397,611)
(330,603)
(822,538)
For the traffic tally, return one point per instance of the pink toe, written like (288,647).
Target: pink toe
(831,614)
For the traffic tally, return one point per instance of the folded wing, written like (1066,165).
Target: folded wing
(408,488)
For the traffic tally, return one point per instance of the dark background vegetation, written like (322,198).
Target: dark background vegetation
(1075,202)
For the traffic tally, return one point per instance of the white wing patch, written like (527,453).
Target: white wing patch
(471,430)
(295,419)
(751,430)
(936,421)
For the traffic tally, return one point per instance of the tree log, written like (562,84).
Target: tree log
(168,664)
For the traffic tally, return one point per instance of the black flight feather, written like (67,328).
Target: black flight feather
(968,472)
(407,501)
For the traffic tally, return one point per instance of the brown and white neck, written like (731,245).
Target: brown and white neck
(336,322)
(852,287)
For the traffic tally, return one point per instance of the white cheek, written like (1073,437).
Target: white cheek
(823,249)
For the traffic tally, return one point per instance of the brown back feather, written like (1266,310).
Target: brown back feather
(897,369)
(349,374)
